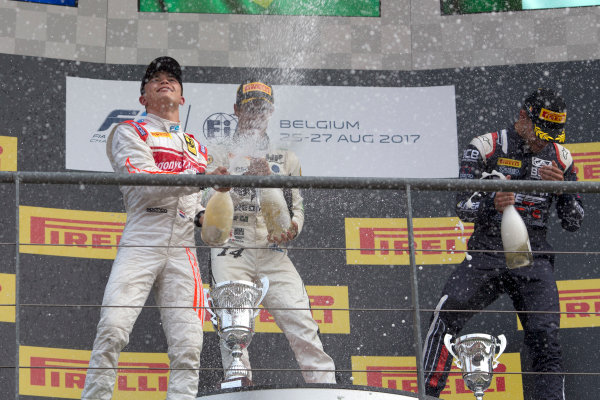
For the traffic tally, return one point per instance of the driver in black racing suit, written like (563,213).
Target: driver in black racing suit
(528,151)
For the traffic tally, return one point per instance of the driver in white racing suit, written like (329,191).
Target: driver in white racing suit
(252,254)
(157,246)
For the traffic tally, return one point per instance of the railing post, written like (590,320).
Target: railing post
(415,296)
(17,285)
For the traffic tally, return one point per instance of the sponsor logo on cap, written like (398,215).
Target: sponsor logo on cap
(552,116)
(256,86)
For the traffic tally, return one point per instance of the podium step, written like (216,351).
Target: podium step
(313,392)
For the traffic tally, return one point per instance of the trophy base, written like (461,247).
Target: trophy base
(235,382)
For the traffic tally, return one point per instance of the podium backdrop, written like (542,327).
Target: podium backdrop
(366,324)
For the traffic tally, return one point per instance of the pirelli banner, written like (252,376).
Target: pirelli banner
(400,373)
(329,308)
(377,241)
(60,374)
(586,157)
(70,233)
(8,153)
(7,297)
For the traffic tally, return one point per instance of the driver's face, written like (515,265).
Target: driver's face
(253,117)
(524,127)
(256,109)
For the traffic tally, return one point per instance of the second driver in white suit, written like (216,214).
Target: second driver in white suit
(251,254)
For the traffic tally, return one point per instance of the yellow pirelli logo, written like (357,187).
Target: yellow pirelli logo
(552,116)
(384,241)
(60,373)
(330,311)
(586,157)
(70,233)
(580,300)
(400,373)
(261,87)
(7,296)
(509,163)
(8,153)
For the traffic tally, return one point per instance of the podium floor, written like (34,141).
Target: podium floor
(313,392)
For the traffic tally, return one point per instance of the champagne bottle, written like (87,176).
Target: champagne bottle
(275,211)
(515,239)
(218,219)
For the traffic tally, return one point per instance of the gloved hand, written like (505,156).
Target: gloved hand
(286,236)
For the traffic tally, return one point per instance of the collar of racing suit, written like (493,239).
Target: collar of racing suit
(170,126)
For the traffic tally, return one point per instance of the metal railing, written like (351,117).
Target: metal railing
(403,184)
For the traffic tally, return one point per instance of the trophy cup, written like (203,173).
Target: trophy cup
(477,358)
(234,308)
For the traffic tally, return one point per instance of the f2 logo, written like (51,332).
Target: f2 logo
(116,117)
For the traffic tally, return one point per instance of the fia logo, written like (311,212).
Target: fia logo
(536,163)
(219,127)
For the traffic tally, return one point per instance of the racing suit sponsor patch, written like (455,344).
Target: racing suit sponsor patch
(274,157)
(536,163)
(156,210)
(509,162)
(191,145)
(470,154)
(161,134)
(509,171)
(238,233)
(466,172)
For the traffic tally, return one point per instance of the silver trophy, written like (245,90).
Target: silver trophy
(477,357)
(234,309)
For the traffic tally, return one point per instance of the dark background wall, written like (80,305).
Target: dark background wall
(33,94)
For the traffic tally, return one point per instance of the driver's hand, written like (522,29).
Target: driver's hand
(220,171)
(258,166)
(504,199)
(286,236)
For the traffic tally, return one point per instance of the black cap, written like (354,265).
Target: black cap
(254,90)
(166,64)
(548,112)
